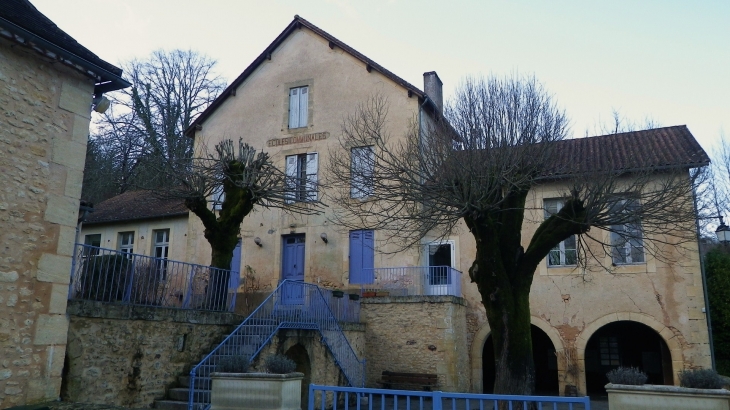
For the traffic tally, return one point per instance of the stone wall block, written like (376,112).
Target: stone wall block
(62,210)
(59,298)
(66,239)
(8,277)
(70,154)
(51,330)
(54,268)
(75,99)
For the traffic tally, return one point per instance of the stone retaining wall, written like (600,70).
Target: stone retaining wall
(417,334)
(128,355)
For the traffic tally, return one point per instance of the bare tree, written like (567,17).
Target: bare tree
(500,138)
(145,123)
(221,187)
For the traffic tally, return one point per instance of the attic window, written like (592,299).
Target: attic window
(298,107)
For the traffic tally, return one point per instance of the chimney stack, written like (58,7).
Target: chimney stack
(433,87)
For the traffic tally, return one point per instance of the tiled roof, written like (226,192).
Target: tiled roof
(22,14)
(658,148)
(135,205)
(296,24)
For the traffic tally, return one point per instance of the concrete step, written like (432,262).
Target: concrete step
(184,382)
(171,405)
(183,394)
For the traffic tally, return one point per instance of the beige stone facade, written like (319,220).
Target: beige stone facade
(43,134)
(45,110)
(569,305)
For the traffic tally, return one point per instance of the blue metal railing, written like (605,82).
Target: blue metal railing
(293,305)
(107,275)
(414,280)
(346,398)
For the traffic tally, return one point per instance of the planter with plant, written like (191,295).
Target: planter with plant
(699,389)
(338,293)
(354,296)
(277,389)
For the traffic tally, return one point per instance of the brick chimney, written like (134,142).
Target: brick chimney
(433,87)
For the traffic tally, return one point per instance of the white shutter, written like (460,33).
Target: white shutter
(369,163)
(312,176)
(293,108)
(291,177)
(356,162)
(303,106)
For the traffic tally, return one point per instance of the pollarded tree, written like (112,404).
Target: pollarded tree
(475,167)
(221,187)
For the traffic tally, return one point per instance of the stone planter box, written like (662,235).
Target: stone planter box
(256,391)
(625,397)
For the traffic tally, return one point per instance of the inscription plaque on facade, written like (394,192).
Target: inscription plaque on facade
(298,139)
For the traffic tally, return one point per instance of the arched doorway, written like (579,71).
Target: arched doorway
(627,344)
(546,364)
(300,356)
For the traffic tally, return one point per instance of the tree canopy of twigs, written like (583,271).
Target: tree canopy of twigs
(144,124)
(221,187)
(475,167)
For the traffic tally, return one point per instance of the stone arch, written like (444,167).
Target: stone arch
(669,336)
(477,349)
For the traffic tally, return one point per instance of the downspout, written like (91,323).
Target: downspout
(704,280)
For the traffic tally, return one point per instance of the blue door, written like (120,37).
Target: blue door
(362,256)
(292,268)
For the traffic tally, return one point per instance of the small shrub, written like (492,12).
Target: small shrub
(700,379)
(236,364)
(627,375)
(279,364)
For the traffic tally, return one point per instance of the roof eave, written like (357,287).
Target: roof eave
(125,220)
(104,79)
(296,24)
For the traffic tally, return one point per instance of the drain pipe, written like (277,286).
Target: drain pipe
(704,281)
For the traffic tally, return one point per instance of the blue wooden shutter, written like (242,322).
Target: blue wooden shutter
(362,256)
(368,256)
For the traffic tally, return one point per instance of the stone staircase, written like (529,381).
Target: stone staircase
(177,398)
(293,305)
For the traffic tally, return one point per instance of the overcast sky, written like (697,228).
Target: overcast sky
(664,59)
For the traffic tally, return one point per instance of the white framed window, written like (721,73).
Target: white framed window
(217,198)
(362,172)
(298,107)
(301,177)
(161,248)
(126,242)
(609,351)
(92,240)
(627,244)
(565,253)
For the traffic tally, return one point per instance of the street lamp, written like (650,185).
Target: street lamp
(723,232)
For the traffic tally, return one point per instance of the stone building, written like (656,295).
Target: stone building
(291,102)
(48,83)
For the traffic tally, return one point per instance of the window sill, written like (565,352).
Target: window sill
(563,270)
(639,267)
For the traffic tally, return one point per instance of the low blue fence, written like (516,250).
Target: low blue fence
(352,398)
(413,280)
(107,275)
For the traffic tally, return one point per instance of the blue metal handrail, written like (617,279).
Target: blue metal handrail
(354,398)
(108,275)
(414,280)
(293,305)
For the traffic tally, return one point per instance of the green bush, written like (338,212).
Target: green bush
(627,375)
(104,278)
(700,379)
(235,364)
(279,364)
(717,269)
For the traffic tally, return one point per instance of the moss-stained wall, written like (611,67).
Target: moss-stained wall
(44,124)
(417,334)
(128,356)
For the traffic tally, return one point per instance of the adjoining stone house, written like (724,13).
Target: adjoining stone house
(291,102)
(48,83)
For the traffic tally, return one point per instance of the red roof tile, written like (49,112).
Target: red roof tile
(658,148)
(135,205)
